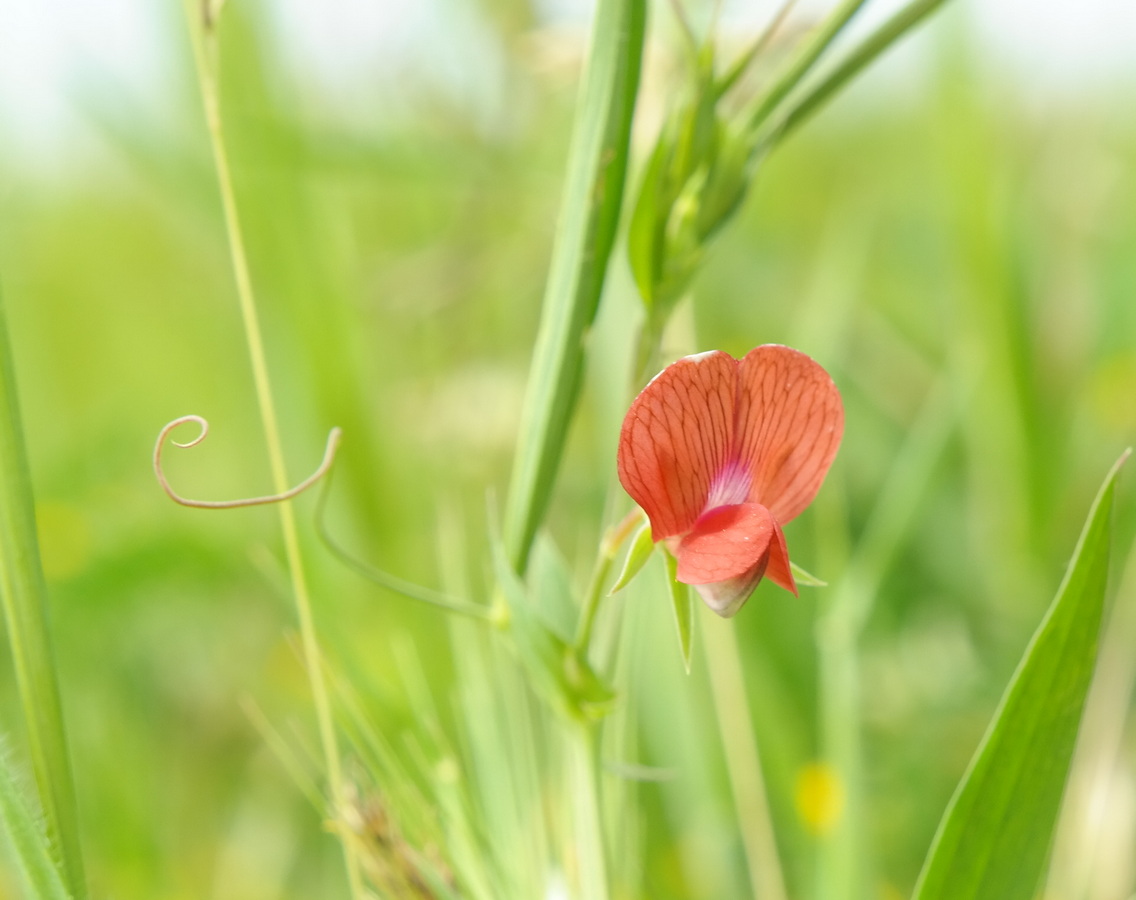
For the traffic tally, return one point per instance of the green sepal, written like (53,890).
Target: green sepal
(805,579)
(683,605)
(640,550)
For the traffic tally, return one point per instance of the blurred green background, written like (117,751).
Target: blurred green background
(953,239)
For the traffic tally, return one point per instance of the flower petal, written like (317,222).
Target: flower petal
(677,437)
(728,541)
(789,423)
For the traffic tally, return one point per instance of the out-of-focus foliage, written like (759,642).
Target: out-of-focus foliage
(946,239)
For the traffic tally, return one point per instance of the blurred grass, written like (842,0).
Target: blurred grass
(948,233)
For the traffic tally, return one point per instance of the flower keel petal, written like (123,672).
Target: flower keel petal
(725,543)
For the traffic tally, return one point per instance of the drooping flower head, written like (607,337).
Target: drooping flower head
(721,453)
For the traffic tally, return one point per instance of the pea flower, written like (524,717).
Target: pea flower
(721,453)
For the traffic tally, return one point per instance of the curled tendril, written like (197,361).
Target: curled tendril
(328,458)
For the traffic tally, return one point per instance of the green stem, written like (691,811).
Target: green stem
(593,195)
(249,317)
(24,596)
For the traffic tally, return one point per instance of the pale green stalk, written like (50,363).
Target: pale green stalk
(266,405)
(24,595)
(743,761)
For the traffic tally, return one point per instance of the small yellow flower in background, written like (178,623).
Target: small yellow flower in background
(820,797)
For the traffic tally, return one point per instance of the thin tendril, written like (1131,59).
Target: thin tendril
(385,579)
(328,458)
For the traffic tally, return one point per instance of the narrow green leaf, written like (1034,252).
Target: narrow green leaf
(683,609)
(30,845)
(995,836)
(24,597)
(589,216)
(642,546)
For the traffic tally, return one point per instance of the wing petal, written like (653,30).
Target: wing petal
(778,570)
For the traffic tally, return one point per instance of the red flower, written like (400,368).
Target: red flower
(721,453)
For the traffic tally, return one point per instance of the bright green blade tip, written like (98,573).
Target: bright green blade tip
(683,609)
(994,838)
(642,546)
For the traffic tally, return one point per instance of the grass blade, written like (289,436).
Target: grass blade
(995,836)
(593,195)
(24,595)
(29,844)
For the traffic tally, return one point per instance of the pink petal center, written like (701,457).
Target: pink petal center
(730,486)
